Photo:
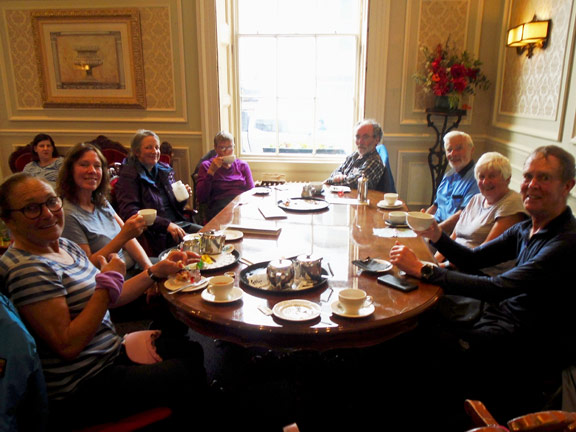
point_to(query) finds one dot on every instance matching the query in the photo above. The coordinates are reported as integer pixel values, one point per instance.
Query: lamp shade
(528, 33)
(515, 36)
(535, 31)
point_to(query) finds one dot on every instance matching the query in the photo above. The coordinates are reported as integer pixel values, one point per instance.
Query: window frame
(304, 157)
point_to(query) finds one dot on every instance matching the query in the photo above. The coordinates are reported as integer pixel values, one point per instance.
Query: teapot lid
(308, 258)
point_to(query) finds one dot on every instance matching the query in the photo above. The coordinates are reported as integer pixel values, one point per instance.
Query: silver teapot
(280, 274)
(210, 242)
(309, 268)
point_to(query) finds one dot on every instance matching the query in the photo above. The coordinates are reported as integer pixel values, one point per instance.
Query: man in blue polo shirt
(458, 185)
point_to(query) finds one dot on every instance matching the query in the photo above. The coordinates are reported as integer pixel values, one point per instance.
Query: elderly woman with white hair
(495, 209)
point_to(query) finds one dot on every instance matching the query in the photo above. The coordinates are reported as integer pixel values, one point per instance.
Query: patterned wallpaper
(531, 87)
(157, 48)
(434, 30)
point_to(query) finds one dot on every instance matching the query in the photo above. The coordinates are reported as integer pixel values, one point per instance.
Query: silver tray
(254, 277)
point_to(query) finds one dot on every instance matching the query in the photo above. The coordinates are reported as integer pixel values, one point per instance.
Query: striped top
(28, 279)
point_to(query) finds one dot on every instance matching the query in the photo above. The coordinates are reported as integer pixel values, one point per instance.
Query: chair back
(19, 158)
(386, 183)
(113, 151)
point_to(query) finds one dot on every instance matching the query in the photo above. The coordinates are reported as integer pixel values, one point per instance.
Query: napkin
(394, 232)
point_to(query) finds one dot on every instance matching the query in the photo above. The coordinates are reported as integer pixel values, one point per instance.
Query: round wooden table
(343, 232)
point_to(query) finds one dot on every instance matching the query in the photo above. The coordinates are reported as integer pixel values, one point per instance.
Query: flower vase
(442, 102)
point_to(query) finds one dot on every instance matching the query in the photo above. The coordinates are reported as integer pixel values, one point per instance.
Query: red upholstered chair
(19, 158)
(132, 423)
(113, 151)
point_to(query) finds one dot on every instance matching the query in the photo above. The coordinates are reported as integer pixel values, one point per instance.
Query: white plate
(336, 189)
(363, 312)
(388, 265)
(382, 204)
(233, 235)
(235, 294)
(260, 190)
(172, 284)
(296, 310)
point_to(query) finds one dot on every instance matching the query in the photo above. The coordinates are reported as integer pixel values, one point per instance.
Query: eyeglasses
(225, 148)
(33, 211)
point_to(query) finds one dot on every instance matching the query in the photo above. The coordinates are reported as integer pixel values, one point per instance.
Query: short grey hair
(568, 169)
(452, 134)
(376, 128)
(494, 160)
(223, 136)
(138, 138)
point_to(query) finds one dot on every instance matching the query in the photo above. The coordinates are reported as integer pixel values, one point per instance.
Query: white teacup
(353, 299)
(390, 198)
(228, 159)
(419, 221)
(221, 287)
(397, 217)
(149, 215)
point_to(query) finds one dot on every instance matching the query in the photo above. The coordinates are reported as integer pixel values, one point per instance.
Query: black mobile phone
(395, 282)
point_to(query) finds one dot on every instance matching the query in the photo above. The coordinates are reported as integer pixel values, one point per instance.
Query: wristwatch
(427, 271)
(152, 275)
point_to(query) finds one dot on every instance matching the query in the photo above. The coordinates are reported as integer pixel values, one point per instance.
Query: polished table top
(340, 234)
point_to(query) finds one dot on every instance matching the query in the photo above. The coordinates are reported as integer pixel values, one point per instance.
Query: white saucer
(394, 225)
(382, 204)
(388, 265)
(172, 284)
(363, 312)
(235, 294)
(233, 235)
(296, 310)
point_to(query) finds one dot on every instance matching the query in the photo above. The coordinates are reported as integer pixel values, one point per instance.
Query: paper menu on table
(256, 229)
(272, 212)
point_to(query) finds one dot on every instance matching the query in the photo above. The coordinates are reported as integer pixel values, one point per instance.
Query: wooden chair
(19, 158)
(113, 151)
(543, 421)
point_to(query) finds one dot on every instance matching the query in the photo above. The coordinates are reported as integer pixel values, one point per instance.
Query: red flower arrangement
(451, 75)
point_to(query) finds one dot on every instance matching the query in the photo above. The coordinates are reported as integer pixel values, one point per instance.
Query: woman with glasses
(222, 177)
(146, 183)
(46, 161)
(91, 222)
(64, 299)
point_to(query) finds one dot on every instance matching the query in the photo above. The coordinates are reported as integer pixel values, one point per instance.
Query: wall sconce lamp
(529, 35)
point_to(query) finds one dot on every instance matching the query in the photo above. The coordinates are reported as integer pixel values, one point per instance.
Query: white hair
(495, 161)
(452, 134)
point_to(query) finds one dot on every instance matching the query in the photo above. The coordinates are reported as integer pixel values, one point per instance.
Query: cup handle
(369, 300)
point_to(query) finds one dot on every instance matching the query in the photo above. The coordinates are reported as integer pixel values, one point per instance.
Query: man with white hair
(458, 185)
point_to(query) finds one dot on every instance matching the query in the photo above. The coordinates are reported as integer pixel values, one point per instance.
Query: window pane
(298, 63)
(296, 67)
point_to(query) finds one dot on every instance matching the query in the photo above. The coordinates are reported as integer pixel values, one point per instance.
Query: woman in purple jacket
(146, 183)
(223, 177)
